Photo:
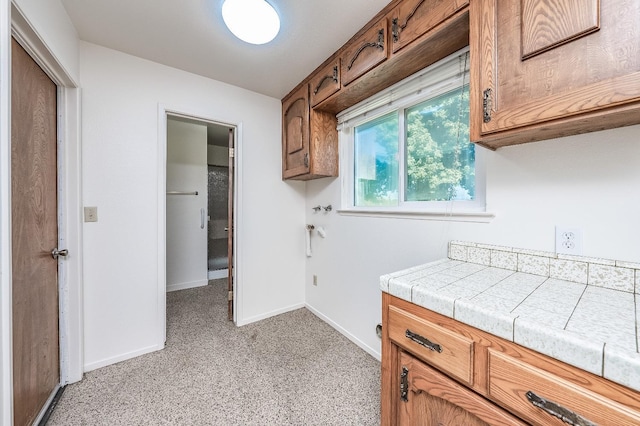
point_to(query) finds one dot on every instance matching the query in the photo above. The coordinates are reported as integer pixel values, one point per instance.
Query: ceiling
(190, 35)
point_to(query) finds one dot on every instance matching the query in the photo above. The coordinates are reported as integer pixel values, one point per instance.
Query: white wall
(121, 97)
(587, 181)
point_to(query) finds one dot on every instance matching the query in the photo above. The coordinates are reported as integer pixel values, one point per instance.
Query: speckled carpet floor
(292, 369)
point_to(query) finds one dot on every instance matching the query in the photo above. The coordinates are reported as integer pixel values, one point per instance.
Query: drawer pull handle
(558, 411)
(333, 77)
(378, 45)
(423, 341)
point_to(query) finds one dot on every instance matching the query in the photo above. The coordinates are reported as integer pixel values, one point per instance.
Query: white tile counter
(578, 310)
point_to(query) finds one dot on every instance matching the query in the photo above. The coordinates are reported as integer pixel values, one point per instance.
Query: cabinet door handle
(306, 160)
(423, 341)
(558, 411)
(333, 77)
(486, 106)
(201, 218)
(398, 28)
(378, 45)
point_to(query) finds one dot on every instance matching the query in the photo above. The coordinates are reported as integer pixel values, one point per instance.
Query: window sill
(449, 216)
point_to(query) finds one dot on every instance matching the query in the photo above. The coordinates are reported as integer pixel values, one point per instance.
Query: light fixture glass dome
(253, 21)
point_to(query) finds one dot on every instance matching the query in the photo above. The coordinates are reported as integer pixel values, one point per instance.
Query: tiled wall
(612, 274)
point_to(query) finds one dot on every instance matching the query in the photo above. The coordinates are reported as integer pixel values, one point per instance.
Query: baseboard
(270, 314)
(217, 274)
(374, 353)
(184, 286)
(122, 357)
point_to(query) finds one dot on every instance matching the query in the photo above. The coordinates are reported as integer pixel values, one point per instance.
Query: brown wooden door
(34, 234)
(434, 399)
(295, 133)
(542, 61)
(230, 223)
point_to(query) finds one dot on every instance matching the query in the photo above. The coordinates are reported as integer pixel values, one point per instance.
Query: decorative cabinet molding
(413, 18)
(309, 139)
(325, 82)
(364, 53)
(543, 69)
(506, 384)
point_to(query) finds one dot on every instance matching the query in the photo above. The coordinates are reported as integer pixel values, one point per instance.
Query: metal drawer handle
(378, 45)
(333, 77)
(423, 341)
(558, 411)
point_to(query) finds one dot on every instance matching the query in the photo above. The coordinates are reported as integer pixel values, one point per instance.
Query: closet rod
(182, 193)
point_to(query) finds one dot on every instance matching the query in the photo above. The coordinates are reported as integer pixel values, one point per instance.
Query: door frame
(69, 204)
(163, 112)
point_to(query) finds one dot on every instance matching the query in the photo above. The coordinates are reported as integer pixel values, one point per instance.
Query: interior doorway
(200, 200)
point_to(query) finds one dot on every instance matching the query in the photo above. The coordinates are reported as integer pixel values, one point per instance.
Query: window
(408, 149)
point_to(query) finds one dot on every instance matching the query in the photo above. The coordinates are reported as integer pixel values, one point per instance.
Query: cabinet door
(364, 53)
(325, 83)
(295, 133)
(544, 398)
(413, 18)
(429, 398)
(550, 62)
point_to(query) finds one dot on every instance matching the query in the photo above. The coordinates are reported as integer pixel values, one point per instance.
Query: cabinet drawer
(364, 53)
(325, 83)
(413, 18)
(444, 349)
(518, 386)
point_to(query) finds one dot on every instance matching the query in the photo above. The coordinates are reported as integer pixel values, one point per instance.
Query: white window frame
(442, 77)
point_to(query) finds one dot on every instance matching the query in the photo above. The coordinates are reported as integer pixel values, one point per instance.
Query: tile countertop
(575, 309)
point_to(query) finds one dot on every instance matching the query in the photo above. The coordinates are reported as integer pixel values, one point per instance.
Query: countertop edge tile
(433, 301)
(498, 324)
(560, 344)
(622, 366)
(400, 289)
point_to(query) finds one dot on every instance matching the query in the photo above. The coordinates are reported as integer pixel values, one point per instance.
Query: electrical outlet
(315, 280)
(568, 240)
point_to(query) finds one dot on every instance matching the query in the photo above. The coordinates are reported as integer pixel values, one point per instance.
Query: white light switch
(90, 214)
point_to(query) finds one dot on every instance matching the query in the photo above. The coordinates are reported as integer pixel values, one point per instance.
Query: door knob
(55, 253)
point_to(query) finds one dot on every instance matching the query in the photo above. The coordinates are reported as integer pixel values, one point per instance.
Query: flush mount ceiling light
(253, 21)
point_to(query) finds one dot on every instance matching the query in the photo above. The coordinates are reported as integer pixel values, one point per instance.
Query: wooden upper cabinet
(549, 68)
(413, 18)
(325, 83)
(365, 52)
(309, 139)
(295, 133)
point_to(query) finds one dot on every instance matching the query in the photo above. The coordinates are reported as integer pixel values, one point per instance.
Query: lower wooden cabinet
(438, 371)
(427, 397)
